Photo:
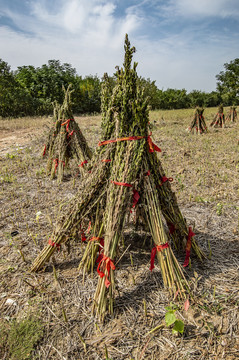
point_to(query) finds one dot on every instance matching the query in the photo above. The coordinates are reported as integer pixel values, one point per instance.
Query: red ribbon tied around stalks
(136, 195)
(152, 146)
(71, 133)
(188, 246)
(83, 163)
(56, 161)
(56, 164)
(95, 238)
(164, 179)
(89, 227)
(154, 251)
(53, 244)
(44, 150)
(129, 138)
(121, 183)
(67, 123)
(100, 256)
(107, 264)
(83, 237)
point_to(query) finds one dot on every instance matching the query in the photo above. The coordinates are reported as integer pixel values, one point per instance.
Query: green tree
(213, 99)
(44, 84)
(197, 98)
(14, 100)
(228, 83)
(86, 97)
(173, 99)
(151, 91)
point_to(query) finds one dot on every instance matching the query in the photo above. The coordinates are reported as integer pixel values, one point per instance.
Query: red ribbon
(89, 227)
(83, 163)
(121, 183)
(188, 246)
(153, 253)
(44, 151)
(164, 179)
(100, 256)
(67, 123)
(136, 196)
(147, 173)
(107, 264)
(83, 237)
(95, 238)
(56, 164)
(106, 160)
(152, 146)
(121, 139)
(56, 161)
(53, 244)
(71, 133)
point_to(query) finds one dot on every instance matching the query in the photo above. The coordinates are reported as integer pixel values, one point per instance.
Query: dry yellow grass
(205, 171)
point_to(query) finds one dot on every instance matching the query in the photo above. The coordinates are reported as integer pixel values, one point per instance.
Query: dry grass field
(47, 315)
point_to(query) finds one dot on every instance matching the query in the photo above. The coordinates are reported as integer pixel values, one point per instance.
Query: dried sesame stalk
(172, 273)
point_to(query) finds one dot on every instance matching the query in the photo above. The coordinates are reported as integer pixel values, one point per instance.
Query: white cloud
(85, 34)
(88, 35)
(204, 8)
(177, 63)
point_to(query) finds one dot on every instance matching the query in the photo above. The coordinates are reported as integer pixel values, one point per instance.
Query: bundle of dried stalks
(65, 140)
(232, 114)
(219, 118)
(125, 171)
(198, 124)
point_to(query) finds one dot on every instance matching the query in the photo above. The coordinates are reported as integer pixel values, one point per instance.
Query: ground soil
(205, 170)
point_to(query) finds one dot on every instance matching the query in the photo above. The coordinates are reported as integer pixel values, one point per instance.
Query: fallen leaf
(186, 305)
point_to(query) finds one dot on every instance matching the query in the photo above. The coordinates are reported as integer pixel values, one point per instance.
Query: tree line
(30, 91)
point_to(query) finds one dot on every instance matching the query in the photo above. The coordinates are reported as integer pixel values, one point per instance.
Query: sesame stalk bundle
(125, 172)
(198, 123)
(232, 114)
(219, 118)
(65, 140)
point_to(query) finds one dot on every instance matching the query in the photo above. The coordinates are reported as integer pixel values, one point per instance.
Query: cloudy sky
(179, 43)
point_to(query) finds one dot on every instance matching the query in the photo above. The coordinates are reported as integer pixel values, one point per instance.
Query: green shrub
(18, 338)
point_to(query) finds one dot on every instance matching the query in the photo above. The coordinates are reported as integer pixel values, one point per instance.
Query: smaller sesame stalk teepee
(65, 140)
(219, 118)
(198, 124)
(232, 114)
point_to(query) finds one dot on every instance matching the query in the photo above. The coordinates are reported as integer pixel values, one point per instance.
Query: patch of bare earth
(205, 171)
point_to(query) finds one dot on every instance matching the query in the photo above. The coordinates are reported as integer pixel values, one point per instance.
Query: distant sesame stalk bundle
(65, 140)
(198, 124)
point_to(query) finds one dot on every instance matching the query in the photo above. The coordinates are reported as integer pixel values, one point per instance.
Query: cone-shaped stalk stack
(65, 140)
(125, 172)
(232, 114)
(219, 118)
(198, 124)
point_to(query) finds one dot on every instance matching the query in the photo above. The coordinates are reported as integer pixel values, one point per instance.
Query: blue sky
(179, 43)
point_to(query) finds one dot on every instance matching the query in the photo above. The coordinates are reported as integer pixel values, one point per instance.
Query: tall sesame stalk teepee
(65, 140)
(125, 172)
(198, 123)
(219, 118)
